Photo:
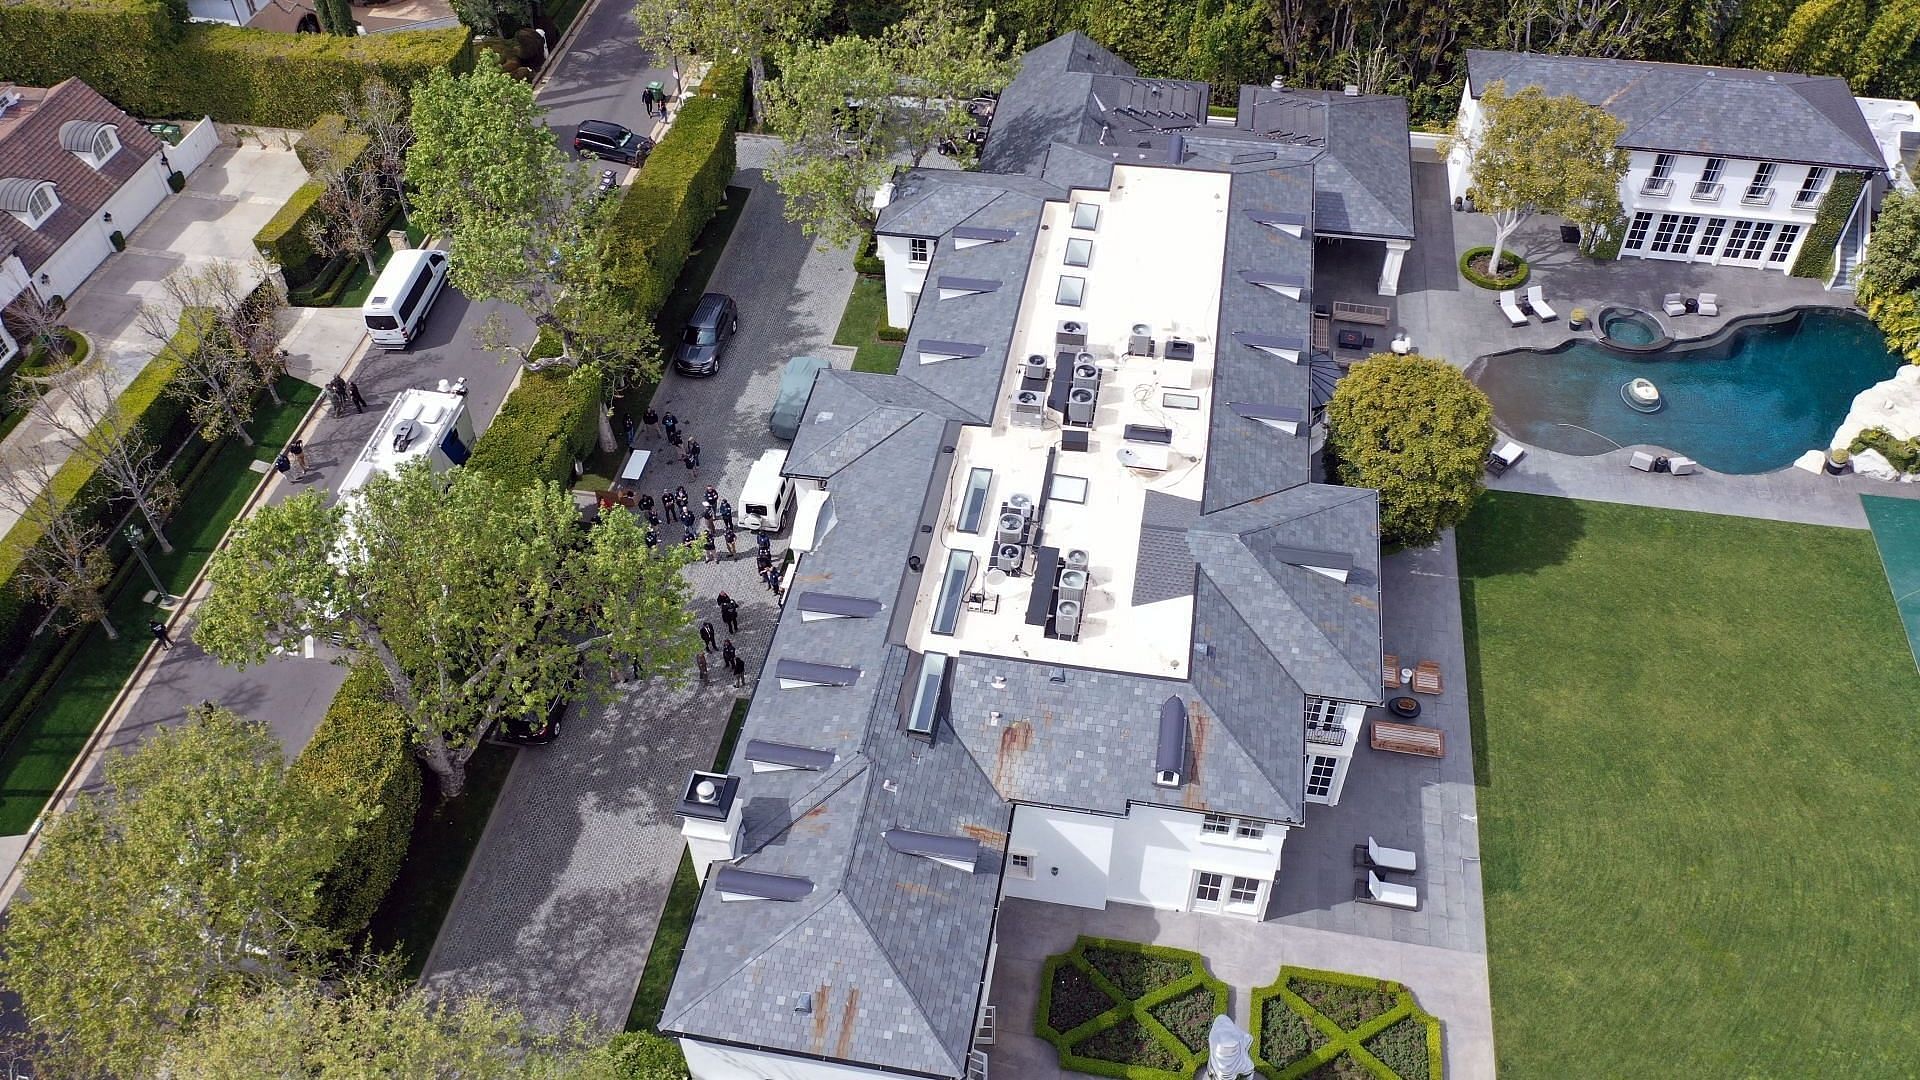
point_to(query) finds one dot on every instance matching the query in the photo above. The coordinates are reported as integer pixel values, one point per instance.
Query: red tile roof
(30, 148)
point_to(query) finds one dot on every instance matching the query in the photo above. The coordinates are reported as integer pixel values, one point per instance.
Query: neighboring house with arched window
(74, 169)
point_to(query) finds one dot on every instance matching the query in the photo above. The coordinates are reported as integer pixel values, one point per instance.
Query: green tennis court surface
(1896, 528)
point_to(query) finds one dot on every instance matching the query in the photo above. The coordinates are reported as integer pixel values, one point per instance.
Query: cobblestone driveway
(559, 906)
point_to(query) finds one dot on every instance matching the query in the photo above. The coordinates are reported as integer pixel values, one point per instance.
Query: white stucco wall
(90, 245)
(1735, 176)
(707, 1061)
(1148, 857)
(905, 279)
(199, 142)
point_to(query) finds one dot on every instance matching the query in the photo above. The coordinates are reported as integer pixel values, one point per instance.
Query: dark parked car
(606, 139)
(706, 335)
(536, 726)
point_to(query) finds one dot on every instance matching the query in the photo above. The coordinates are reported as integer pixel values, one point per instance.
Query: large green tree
(1530, 153)
(755, 29)
(186, 883)
(525, 229)
(476, 598)
(848, 110)
(367, 1028)
(1889, 279)
(1418, 431)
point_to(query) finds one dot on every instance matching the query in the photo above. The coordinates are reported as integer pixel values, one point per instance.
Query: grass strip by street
(694, 275)
(34, 762)
(676, 920)
(445, 834)
(1695, 790)
(860, 325)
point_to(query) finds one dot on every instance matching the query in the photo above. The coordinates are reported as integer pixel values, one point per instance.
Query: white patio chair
(1511, 307)
(1388, 858)
(1682, 466)
(1504, 457)
(1537, 300)
(1674, 304)
(1709, 303)
(1641, 460)
(1391, 895)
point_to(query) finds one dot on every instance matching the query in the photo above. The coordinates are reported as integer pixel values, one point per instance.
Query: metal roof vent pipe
(1176, 149)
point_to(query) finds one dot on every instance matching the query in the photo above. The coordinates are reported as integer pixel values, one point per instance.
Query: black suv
(706, 334)
(606, 139)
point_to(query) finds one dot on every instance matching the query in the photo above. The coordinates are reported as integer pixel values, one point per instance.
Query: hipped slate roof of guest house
(30, 149)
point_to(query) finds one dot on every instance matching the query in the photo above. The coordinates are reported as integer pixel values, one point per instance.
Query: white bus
(402, 296)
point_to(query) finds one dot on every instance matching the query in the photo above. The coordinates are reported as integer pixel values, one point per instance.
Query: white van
(767, 498)
(402, 296)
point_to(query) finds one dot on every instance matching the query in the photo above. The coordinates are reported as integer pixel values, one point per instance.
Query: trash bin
(1569, 234)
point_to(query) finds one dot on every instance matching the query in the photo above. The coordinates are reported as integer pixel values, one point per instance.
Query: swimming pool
(1749, 399)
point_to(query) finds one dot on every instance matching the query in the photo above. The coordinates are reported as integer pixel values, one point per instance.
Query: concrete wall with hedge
(548, 422)
(362, 753)
(138, 54)
(283, 239)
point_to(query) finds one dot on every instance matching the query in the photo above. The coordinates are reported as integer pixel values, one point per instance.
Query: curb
(136, 681)
(564, 45)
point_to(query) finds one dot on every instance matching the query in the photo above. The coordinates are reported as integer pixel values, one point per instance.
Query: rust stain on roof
(820, 1000)
(1015, 739)
(913, 887)
(1199, 728)
(847, 1017)
(992, 838)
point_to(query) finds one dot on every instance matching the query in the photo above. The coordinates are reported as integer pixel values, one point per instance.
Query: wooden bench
(1426, 678)
(1366, 314)
(1409, 739)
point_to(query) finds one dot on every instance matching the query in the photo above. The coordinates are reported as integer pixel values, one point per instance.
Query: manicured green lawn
(38, 756)
(1696, 750)
(866, 312)
(444, 836)
(676, 920)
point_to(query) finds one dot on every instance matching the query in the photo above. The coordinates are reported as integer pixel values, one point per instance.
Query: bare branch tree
(87, 420)
(255, 328)
(382, 114)
(37, 322)
(353, 209)
(68, 569)
(219, 380)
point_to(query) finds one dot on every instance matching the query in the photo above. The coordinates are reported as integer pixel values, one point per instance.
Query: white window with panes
(1663, 234)
(1783, 244)
(1710, 238)
(1637, 232)
(1020, 864)
(1227, 826)
(1760, 188)
(1707, 188)
(919, 249)
(1811, 187)
(1659, 182)
(1229, 894)
(1326, 775)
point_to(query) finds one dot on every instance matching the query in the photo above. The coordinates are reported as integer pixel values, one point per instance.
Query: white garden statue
(1229, 1051)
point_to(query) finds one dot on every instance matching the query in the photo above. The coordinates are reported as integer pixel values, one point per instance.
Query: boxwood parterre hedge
(1126, 1010)
(1307, 1019)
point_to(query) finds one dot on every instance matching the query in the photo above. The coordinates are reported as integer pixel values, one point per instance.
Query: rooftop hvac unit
(1008, 557)
(1179, 350)
(1020, 504)
(1082, 358)
(1013, 529)
(1070, 332)
(995, 579)
(1080, 406)
(1140, 342)
(1073, 586)
(1028, 408)
(1035, 367)
(1077, 559)
(1066, 619)
(1085, 375)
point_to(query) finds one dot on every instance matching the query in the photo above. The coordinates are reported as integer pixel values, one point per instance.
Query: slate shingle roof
(30, 149)
(1681, 108)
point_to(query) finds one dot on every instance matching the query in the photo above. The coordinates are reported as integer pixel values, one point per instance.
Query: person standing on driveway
(730, 613)
(298, 450)
(739, 670)
(627, 428)
(709, 546)
(732, 551)
(728, 654)
(165, 638)
(700, 661)
(726, 512)
(353, 391)
(282, 464)
(706, 636)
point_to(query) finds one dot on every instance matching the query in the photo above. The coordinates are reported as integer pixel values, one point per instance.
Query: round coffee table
(1406, 708)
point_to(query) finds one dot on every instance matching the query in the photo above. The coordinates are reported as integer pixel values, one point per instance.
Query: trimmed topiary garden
(1122, 1009)
(1313, 1025)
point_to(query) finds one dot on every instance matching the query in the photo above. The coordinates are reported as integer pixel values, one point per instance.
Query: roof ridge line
(830, 784)
(920, 1007)
(742, 965)
(1240, 542)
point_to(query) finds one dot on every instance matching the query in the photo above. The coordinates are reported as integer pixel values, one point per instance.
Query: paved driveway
(559, 905)
(224, 204)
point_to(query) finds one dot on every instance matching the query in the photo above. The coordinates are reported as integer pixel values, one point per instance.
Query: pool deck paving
(1450, 319)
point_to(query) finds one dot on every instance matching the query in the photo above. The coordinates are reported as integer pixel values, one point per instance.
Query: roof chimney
(710, 819)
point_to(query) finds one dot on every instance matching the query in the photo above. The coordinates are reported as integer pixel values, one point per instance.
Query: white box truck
(430, 424)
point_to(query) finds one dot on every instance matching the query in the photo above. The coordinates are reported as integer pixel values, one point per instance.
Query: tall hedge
(673, 198)
(330, 139)
(362, 753)
(138, 54)
(1836, 207)
(283, 239)
(546, 424)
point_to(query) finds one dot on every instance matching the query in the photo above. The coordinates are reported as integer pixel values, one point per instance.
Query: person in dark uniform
(707, 636)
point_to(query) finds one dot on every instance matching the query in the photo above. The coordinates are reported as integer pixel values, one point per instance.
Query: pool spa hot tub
(1630, 330)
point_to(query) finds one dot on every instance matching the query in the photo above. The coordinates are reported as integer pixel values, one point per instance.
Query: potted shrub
(1577, 319)
(1838, 459)
(118, 240)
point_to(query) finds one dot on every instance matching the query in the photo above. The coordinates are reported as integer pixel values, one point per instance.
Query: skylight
(1072, 291)
(1079, 252)
(925, 711)
(1086, 216)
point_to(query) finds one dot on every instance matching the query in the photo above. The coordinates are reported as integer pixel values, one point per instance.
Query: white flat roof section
(432, 410)
(1157, 252)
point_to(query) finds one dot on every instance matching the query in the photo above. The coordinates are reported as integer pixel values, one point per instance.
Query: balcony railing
(1326, 734)
(1758, 196)
(1658, 187)
(1707, 191)
(1807, 200)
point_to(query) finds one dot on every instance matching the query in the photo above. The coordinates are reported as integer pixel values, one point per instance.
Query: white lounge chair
(1641, 460)
(1388, 858)
(1505, 457)
(1511, 307)
(1709, 303)
(1682, 466)
(1386, 893)
(1674, 304)
(1537, 300)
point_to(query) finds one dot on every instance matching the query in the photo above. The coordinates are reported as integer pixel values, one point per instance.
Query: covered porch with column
(1384, 254)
